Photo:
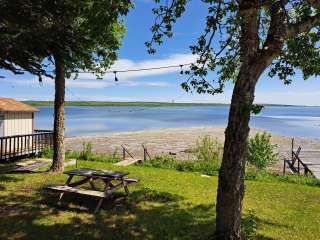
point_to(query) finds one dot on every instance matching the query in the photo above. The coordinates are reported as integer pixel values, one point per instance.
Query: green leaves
(256, 108)
(300, 53)
(217, 48)
(87, 33)
(166, 16)
(261, 153)
(214, 48)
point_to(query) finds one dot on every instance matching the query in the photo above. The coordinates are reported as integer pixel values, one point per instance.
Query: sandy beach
(174, 140)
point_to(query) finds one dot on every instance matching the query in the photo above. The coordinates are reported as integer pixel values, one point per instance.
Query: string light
(132, 70)
(181, 70)
(115, 76)
(145, 69)
(40, 81)
(125, 71)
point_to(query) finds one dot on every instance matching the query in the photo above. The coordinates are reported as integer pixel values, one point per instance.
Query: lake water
(290, 121)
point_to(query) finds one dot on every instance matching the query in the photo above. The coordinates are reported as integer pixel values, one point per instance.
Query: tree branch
(277, 30)
(249, 40)
(304, 26)
(314, 3)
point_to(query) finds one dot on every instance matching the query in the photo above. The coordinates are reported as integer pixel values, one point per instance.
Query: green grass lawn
(166, 204)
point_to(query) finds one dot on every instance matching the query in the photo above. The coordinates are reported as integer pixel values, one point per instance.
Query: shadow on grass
(6, 178)
(146, 214)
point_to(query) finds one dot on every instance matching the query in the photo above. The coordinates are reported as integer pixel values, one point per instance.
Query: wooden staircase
(299, 166)
(127, 158)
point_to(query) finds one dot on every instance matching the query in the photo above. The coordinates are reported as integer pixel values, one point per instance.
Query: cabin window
(1, 125)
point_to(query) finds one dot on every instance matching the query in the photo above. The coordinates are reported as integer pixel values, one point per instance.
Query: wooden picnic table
(113, 180)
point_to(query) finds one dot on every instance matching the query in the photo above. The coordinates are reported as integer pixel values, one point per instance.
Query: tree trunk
(58, 137)
(232, 171)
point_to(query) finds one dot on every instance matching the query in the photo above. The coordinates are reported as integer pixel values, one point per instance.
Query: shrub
(249, 226)
(207, 149)
(163, 161)
(47, 152)
(86, 153)
(208, 154)
(261, 153)
(169, 162)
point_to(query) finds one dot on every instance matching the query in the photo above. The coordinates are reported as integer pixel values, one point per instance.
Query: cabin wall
(1, 124)
(18, 123)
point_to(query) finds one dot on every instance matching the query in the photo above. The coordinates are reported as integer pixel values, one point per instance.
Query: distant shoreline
(137, 104)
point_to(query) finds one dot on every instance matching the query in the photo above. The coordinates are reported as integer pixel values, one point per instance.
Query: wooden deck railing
(42, 131)
(23, 145)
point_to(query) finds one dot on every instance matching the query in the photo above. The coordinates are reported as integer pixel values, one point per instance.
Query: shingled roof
(12, 105)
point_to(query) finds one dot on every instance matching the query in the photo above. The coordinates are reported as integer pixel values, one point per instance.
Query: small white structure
(16, 118)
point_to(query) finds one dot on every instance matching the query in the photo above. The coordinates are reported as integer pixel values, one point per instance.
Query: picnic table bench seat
(64, 188)
(113, 180)
(93, 193)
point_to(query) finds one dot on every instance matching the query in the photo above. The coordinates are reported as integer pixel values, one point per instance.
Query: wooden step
(29, 167)
(127, 162)
(316, 174)
(131, 181)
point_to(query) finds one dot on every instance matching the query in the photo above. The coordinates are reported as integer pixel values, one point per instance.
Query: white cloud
(158, 84)
(94, 84)
(297, 97)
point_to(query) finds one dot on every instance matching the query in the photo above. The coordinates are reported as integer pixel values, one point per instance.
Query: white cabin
(16, 118)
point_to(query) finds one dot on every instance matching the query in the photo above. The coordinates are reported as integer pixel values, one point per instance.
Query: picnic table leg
(99, 205)
(67, 183)
(60, 198)
(105, 190)
(92, 184)
(125, 186)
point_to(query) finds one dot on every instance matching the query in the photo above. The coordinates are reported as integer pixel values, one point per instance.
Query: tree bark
(232, 171)
(231, 175)
(58, 136)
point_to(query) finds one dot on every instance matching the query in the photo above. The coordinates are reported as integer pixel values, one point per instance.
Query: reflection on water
(290, 121)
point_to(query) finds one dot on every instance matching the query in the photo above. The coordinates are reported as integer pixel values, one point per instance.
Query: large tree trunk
(231, 175)
(58, 137)
(232, 171)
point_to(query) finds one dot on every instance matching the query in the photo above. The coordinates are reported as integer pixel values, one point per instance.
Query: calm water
(290, 121)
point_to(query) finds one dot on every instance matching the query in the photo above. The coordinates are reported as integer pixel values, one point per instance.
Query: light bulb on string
(115, 76)
(40, 81)
(181, 70)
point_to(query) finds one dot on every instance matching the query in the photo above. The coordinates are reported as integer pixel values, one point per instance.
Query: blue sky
(157, 85)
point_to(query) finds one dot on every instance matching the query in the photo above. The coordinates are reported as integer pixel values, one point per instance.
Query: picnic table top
(88, 172)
